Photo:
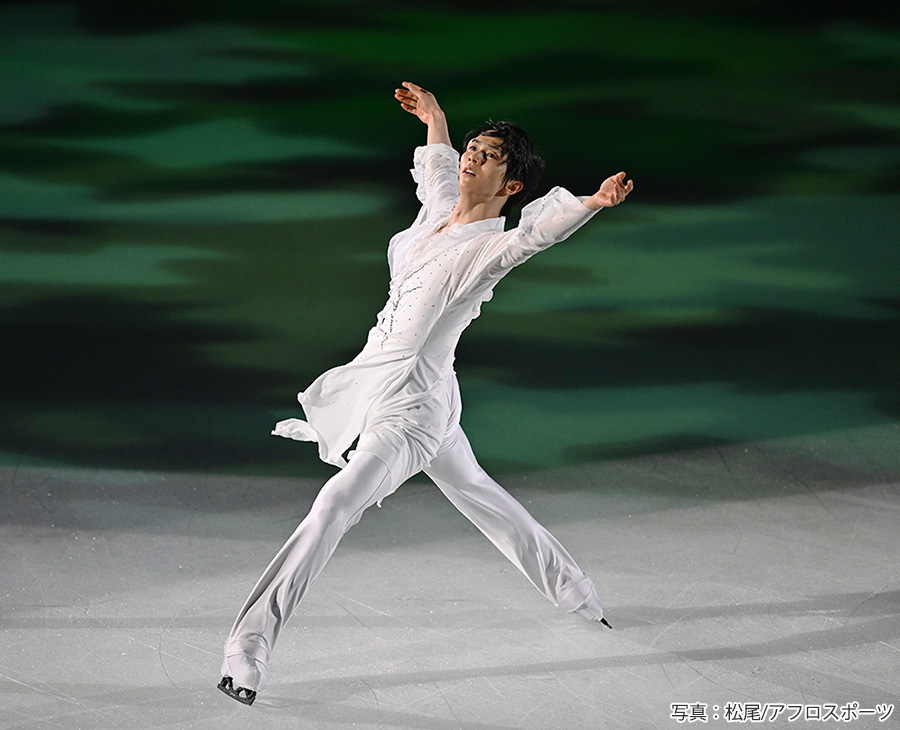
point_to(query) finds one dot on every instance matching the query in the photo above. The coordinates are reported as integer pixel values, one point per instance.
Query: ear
(513, 187)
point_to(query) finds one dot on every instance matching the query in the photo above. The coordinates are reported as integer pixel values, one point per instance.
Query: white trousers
(365, 480)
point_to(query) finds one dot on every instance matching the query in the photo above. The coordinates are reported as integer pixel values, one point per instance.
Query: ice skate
(242, 677)
(241, 694)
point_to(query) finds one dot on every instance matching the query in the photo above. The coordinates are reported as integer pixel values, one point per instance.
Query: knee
(332, 508)
(347, 494)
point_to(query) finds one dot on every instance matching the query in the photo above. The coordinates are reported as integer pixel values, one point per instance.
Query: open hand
(612, 192)
(418, 101)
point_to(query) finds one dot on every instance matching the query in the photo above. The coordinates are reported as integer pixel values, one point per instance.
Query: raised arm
(422, 103)
(612, 192)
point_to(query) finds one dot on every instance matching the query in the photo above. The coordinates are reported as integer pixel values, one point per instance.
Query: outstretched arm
(422, 103)
(612, 192)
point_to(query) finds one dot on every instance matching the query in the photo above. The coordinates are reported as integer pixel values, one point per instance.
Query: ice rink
(698, 393)
(760, 577)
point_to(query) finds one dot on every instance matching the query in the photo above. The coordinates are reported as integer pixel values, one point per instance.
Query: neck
(472, 211)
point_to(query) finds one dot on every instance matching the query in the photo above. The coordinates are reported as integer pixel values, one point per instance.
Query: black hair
(523, 162)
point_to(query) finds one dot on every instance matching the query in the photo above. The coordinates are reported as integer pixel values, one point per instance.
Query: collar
(486, 225)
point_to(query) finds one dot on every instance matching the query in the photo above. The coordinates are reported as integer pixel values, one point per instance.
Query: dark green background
(196, 198)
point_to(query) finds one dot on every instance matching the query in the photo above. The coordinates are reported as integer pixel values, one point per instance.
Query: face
(482, 168)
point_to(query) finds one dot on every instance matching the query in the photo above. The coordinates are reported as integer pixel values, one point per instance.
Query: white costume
(399, 397)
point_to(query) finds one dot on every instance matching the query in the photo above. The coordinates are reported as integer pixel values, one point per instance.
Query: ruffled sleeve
(489, 257)
(436, 172)
(545, 221)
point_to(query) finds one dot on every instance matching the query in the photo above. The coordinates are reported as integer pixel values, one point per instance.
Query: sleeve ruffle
(559, 213)
(436, 172)
(545, 221)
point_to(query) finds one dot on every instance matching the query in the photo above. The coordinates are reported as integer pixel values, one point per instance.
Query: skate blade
(241, 694)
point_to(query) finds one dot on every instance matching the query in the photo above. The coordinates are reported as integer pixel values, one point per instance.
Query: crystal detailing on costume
(440, 277)
(427, 278)
(395, 297)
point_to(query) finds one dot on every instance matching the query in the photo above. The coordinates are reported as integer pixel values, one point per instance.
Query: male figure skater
(399, 398)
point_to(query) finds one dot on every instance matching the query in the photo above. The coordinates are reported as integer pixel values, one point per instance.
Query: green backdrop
(196, 198)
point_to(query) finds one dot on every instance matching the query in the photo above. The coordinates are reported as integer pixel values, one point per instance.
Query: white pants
(365, 480)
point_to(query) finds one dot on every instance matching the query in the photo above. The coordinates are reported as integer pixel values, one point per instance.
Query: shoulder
(435, 172)
(435, 153)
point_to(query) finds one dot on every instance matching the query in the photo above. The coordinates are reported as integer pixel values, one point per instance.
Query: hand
(422, 103)
(612, 192)
(418, 101)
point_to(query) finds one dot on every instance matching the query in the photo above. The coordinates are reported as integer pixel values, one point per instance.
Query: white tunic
(399, 395)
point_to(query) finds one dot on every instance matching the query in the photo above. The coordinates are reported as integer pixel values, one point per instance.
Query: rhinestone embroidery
(406, 286)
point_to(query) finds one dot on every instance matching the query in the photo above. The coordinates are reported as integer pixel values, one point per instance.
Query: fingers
(415, 88)
(410, 91)
(408, 103)
(413, 91)
(622, 188)
(409, 96)
(614, 190)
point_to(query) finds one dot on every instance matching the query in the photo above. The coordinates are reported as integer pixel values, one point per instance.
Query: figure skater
(399, 398)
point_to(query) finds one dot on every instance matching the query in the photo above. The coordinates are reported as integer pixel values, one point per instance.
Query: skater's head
(521, 160)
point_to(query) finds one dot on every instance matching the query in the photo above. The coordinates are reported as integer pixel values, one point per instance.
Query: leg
(338, 506)
(512, 529)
